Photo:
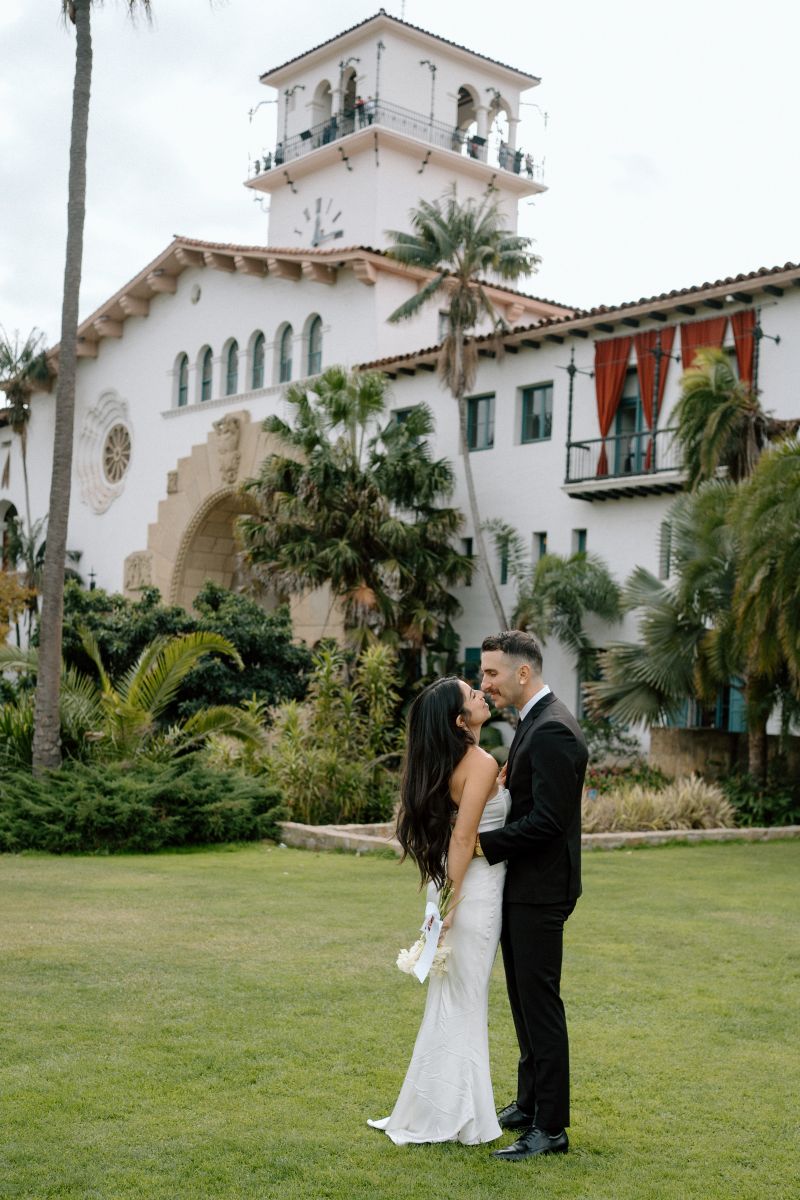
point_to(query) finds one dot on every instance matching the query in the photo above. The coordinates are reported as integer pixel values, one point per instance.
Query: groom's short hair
(516, 643)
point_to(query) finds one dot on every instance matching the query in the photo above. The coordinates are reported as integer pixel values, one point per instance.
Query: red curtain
(645, 345)
(743, 325)
(701, 335)
(610, 366)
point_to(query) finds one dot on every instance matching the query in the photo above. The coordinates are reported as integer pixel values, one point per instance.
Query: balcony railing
(627, 454)
(416, 125)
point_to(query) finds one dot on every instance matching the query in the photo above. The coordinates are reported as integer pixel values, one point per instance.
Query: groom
(542, 846)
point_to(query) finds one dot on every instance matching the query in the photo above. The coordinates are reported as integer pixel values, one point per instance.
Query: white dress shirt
(526, 708)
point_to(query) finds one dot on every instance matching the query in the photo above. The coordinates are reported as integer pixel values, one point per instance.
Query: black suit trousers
(532, 941)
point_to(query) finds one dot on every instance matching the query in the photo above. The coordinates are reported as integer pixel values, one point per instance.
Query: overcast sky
(671, 143)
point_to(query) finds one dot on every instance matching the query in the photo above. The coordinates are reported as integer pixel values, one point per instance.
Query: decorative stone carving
(172, 482)
(229, 431)
(138, 571)
(103, 452)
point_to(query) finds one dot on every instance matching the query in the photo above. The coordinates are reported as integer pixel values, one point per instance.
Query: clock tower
(380, 117)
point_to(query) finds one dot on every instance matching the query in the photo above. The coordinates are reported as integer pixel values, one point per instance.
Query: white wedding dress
(447, 1093)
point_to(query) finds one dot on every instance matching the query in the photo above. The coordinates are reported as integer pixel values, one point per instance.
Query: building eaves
(405, 25)
(161, 273)
(602, 319)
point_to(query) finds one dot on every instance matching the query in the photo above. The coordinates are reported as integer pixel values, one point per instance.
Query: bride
(450, 792)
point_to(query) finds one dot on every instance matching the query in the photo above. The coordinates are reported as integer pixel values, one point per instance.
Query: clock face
(321, 221)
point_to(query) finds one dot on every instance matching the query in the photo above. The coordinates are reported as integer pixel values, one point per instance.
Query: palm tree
(720, 421)
(462, 244)
(122, 719)
(766, 512)
(28, 548)
(730, 612)
(555, 595)
(24, 369)
(46, 747)
(357, 502)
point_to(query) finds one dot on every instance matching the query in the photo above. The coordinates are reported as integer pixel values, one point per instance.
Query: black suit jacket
(542, 838)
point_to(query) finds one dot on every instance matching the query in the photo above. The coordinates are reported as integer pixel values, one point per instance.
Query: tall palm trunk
(46, 740)
(483, 561)
(757, 751)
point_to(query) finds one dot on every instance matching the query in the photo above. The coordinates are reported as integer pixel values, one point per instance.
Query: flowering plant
(426, 954)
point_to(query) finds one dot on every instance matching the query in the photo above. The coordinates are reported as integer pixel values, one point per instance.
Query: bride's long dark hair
(434, 749)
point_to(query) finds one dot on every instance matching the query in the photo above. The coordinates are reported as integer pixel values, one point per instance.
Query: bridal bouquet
(426, 954)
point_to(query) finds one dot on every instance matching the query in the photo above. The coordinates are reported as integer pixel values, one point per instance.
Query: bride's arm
(479, 785)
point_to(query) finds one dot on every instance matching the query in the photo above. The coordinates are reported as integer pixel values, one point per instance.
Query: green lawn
(221, 1024)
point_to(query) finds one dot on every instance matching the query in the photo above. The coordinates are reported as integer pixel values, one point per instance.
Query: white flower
(439, 964)
(407, 959)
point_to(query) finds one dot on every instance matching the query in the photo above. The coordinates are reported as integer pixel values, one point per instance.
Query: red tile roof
(751, 282)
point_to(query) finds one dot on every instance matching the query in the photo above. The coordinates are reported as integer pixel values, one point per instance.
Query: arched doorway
(208, 549)
(7, 514)
(193, 539)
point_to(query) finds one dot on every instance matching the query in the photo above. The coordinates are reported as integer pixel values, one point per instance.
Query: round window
(116, 453)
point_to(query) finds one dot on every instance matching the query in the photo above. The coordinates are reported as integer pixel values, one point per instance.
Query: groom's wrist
(478, 851)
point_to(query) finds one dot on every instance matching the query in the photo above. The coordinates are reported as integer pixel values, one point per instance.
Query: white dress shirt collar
(526, 708)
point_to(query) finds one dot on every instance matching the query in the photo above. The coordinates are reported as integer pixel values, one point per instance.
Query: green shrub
(113, 807)
(612, 776)
(681, 804)
(776, 802)
(335, 757)
(275, 668)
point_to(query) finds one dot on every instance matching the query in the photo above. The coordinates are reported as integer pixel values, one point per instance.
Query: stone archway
(208, 549)
(193, 538)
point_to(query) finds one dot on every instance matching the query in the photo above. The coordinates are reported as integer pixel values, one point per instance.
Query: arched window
(206, 368)
(183, 380)
(232, 369)
(257, 372)
(285, 373)
(315, 346)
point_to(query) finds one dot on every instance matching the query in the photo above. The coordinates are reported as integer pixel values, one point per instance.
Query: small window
(537, 413)
(466, 549)
(472, 664)
(539, 546)
(579, 541)
(444, 324)
(480, 422)
(183, 381)
(400, 415)
(315, 346)
(257, 378)
(206, 369)
(665, 550)
(232, 369)
(631, 431)
(285, 373)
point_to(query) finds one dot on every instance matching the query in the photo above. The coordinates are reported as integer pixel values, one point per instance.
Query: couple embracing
(510, 845)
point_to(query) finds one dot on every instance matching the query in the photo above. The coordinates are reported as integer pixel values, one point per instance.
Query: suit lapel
(524, 727)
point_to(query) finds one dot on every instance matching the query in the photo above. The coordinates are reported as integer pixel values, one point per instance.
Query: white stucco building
(179, 368)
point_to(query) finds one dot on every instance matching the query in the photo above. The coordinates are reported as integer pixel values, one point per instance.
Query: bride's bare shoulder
(477, 765)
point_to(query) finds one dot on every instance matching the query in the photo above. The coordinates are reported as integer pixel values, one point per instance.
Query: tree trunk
(757, 749)
(483, 561)
(46, 739)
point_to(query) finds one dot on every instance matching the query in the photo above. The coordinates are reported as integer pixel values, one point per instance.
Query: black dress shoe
(535, 1141)
(512, 1117)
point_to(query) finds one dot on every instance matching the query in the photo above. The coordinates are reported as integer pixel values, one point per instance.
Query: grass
(220, 1024)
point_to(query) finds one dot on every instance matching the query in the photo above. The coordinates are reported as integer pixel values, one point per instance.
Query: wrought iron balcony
(403, 120)
(635, 464)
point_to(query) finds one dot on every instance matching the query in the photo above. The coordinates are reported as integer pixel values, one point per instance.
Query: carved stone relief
(103, 452)
(138, 571)
(229, 431)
